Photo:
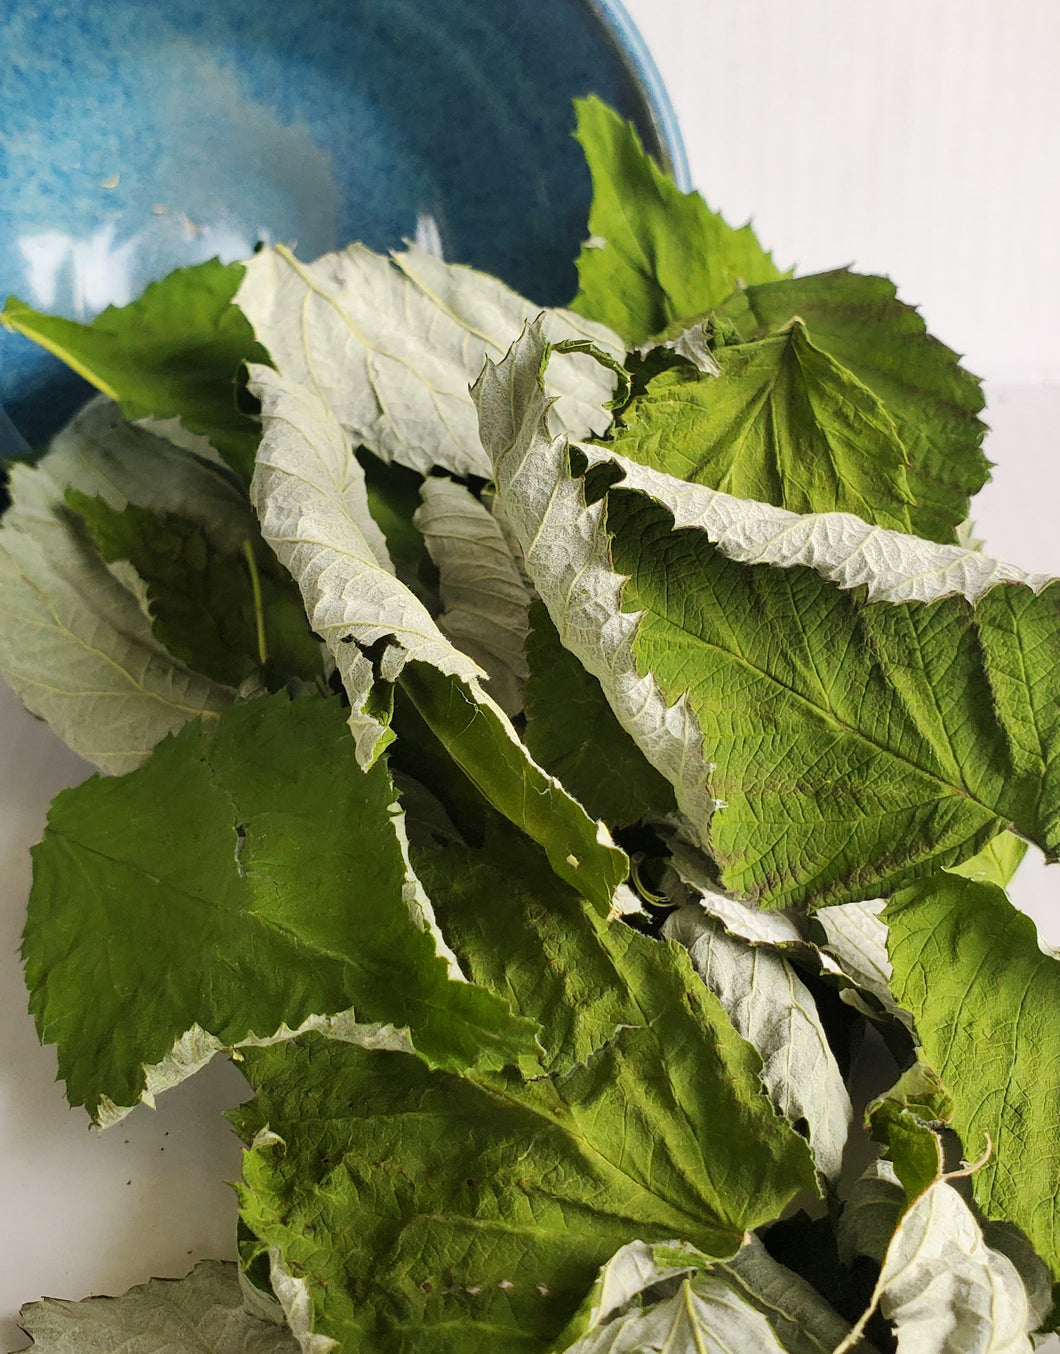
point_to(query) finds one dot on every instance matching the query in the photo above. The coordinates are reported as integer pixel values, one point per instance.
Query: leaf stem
(259, 611)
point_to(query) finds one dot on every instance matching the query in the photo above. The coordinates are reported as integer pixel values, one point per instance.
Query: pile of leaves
(583, 805)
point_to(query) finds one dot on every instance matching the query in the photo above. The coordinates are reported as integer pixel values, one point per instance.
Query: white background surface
(914, 137)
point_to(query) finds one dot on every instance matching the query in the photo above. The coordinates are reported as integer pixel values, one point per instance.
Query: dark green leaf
(933, 402)
(497, 764)
(782, 423)
(574, 734)
(174, 353)
(435, 1212)
(224, 613)
(854, 744)
(239, 881)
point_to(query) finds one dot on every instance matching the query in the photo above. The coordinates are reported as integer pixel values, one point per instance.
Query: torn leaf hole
(241, 836)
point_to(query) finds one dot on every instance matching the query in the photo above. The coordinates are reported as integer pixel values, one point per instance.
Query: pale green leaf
(693, 342)
(621, 1281)
(309, 491)
(856, 939)
(392, 343)
(75, 641)
(645, 1293)
(173, 353)
(804, 1322)
(773, 1010)
(655, 254)
(943, 1289)
(822, 748)
(782, 422)
(201, 1314)
(871, 1213)
(241, 885)
(882, 342)
(756, 925)
(983, 995)
(704, 1316)
(906, 1120)
(435, 1212)
(482, 589)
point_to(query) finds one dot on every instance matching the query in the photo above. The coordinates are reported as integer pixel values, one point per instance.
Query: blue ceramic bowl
(140, 135)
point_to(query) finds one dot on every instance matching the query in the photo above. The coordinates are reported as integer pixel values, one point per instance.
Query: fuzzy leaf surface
(655, 254)
(782, 422)
(982, 994)
(200, 1314)
(851, 740)
(804, 1322)
(482, 589)
(436, 1212)
(704, 1316)
(75, 643)
(856, 939)
(393, 500)
(944, 1290)
(934, 403)
(774, 1011)
(392, 343)
(261, 874)
(310, 494)
(173, 353)
(643, 1295)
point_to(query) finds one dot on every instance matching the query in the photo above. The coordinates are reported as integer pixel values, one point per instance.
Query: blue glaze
(138, 136)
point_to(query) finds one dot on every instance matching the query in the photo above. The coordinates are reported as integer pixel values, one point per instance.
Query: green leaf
(996, 863)
(392, 343)
(968, 966)
(75, 643)
(309, 492)
(933, 402)
(203, 1312)
(174, 353)
(838, 707)
(853, 745)
(922, 1092)
(572, 732)
(238, 884)
(904, 1119)
(783, 423)
(496, 762)
(225, 613)
(436, 1212)
(655, 254)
